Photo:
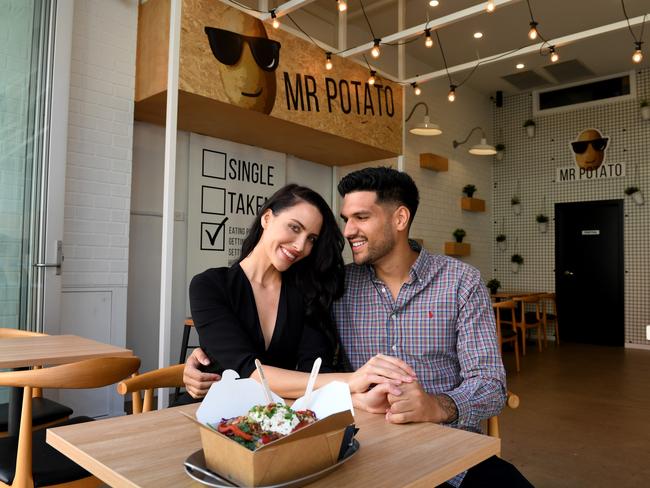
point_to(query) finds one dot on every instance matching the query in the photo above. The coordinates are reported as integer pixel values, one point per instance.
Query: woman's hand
(375, 400)
(197, 383)
(380, 369)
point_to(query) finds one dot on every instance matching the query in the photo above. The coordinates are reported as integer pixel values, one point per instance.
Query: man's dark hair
(390, 185)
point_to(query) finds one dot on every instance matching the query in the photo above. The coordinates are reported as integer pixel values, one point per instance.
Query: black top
(225, 316)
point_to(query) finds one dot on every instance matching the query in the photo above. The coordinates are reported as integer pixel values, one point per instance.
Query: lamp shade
(483, 149)
(426, 128)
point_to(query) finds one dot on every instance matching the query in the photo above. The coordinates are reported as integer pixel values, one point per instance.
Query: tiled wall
(15, 47)
(528, 169)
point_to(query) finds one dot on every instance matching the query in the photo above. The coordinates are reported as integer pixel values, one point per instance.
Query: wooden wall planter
(472, 204)
(457, 248)
(433, 162)
(330, 117)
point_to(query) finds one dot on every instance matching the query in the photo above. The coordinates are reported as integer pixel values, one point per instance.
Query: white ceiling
(504, 30)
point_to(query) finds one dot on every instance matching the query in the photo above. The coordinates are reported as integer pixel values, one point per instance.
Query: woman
(273, 304)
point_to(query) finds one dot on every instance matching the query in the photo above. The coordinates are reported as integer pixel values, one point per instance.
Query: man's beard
(379, 249)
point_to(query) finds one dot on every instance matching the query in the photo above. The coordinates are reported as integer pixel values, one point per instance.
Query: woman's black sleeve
(315, 343)
(220, 334)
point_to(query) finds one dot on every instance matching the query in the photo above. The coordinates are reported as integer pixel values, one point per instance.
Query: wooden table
(22, 352)
(507, 295)
(149, 449)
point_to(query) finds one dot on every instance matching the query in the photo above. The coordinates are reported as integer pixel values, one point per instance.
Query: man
(431, 311)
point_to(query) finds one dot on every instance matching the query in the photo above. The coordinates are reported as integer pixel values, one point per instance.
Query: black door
(589, 271)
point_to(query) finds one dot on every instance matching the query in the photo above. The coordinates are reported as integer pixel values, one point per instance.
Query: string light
(375, 51)
(328, 61)
(428, 42)
(554, 55)
(372, 79)
(532, 33)
(489, 6)
(433, 3)
(637, 57)
(451, 96)
(416, 89)
(276, 22)
(342, 5)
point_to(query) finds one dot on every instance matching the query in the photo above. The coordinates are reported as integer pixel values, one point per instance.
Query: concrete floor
(583, 419)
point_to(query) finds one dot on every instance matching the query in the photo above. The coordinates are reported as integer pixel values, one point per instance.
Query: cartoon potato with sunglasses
(247, 60)
(589, 149)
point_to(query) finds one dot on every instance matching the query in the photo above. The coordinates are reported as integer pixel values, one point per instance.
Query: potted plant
(469, 190)
(529, 125)
(542, 223)
(493, 285)
(635, 193)
(516, 261)
(459, 234)
(645, 110)
(516, 206)
(501, 242)
(500, 148)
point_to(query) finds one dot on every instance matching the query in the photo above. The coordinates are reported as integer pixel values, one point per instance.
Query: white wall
(98, 175)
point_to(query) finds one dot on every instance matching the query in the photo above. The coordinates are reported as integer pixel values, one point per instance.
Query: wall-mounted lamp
(482, 149)
(425, 128)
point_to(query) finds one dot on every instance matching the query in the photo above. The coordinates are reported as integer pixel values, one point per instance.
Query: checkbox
(213, 200)
(213, 235)
(214, 164)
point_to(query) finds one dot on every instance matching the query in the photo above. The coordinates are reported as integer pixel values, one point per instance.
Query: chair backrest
(169, 377)
(505, 305)
(550, 299)
(533, 300)
(90, 373)
(493, 422)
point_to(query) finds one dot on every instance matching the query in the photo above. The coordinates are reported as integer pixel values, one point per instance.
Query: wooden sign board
(244, 81)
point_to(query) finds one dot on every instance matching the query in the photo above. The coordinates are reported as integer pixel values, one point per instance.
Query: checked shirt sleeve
(482, 391)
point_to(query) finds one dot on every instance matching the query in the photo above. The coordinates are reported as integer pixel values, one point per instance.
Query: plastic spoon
(265, 384)
(312, 380)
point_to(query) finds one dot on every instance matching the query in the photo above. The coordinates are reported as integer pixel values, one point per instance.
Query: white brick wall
(100, 137)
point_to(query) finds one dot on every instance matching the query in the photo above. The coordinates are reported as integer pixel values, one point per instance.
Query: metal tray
(196, 469)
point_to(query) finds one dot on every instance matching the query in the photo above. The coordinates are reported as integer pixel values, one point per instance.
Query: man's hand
(381, 369)
(375, 400)
(416, 405)
(197, 383)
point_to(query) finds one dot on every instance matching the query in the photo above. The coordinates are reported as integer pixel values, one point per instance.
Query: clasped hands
(385, 385)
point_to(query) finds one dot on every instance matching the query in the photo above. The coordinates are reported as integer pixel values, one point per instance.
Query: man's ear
(402, 216)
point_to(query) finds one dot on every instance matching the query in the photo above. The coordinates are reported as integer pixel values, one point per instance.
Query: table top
(149, 449)
(513, 294)
(21, 352)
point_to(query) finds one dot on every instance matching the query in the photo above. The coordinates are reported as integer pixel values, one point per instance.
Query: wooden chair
(507, 334)
(44, 412)
(549, 303)
(187, 328)
(493, 422)
(530, 320)
(169, 377)
(27, 460)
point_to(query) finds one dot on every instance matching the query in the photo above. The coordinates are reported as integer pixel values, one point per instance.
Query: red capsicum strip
(224, 429)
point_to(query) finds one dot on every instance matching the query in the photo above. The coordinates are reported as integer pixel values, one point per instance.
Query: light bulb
(490, 6)
(433, 3)
(342, 5)
(375, 52)
(532, 33)
(451, 96)
(276, 22)
(328, 61)
(372, 79)
(554, 55)
(637, 57)
(416, 89)
(428, 42)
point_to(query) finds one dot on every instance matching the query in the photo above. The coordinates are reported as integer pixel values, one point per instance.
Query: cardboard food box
(301, 453)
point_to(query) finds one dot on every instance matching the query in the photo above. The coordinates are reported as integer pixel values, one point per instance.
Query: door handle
(568, 273)
(59, 259)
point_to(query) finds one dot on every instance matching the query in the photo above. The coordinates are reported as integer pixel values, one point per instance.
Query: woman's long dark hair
(319, 276)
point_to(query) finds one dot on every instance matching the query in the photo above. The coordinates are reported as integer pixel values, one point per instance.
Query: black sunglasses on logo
(228, 46)
(580, 147)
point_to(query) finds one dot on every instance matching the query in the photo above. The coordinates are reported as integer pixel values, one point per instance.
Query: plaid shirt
(441, 324)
